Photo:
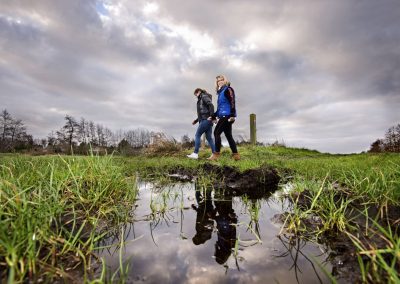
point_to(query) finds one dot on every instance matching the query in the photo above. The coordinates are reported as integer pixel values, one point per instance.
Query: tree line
(390, 143)
(75, 136)
(83, 136)
(13, 135)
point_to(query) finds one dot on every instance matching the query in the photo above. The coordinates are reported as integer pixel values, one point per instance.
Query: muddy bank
(344, 254)
(230, 180)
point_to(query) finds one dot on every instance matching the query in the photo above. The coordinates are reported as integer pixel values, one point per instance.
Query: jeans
(224, 126)
(205, 126)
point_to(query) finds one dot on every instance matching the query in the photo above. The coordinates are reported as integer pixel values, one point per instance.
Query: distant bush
(391, 142)
(277, 143)
(166, 147)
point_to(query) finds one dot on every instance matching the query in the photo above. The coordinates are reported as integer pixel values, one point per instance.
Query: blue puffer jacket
(226, 102)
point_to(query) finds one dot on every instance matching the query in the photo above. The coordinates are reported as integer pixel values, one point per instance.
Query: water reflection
(223, 215)
(294, 248)
(226, 220)
(189, 233)
(204, 217)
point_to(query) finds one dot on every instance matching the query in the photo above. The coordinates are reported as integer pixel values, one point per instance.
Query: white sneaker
(193, 156)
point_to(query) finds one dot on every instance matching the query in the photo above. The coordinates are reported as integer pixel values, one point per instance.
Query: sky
(322, 75)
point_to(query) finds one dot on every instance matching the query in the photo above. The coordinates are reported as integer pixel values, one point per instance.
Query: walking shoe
(214, 156)
(193, 156)
(236, 156)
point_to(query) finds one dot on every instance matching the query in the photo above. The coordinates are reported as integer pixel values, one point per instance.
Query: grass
(336, 186)
(53, 211)
(374, 174)
(51, 206)
(383, 261)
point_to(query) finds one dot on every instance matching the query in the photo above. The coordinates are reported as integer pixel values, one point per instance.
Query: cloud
(297, 65)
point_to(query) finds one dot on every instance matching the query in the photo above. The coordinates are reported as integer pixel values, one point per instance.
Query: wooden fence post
(253, 129)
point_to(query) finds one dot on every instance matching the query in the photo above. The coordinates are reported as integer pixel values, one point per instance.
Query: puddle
(184, 235)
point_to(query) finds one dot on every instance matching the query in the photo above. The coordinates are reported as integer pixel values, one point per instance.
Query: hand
(194, 122)
(231, 119)
(209, 118)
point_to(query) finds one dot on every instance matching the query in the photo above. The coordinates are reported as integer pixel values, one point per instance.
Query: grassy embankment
(47, 203)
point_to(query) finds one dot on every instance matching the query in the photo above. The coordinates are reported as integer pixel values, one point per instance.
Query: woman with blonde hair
(226, 114)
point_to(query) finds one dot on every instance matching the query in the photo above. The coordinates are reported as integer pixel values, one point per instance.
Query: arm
(215, 114)
(209, 104)
(230, 95)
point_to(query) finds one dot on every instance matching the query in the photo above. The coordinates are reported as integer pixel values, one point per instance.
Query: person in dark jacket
(205, 214)
(205, 113)
(226, 220)
(226, 114)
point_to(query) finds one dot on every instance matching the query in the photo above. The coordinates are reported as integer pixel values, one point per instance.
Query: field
(55, 209)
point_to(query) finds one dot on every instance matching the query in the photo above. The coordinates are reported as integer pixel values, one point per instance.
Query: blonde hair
(224, 79)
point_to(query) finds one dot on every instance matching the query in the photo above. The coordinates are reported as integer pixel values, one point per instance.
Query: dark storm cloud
(324, 75)
(71, 59)
(354, 41)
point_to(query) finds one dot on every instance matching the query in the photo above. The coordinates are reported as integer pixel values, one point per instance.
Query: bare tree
(43, 143)
(99, 134)
(397, 138)
(108, 137)
(82, 131)
(390, 140)
(144, 137)
(5, 124)
(69, 131)
(17, 130)
(51, 139)
(92, 133)
(138, 138)
(13, 134)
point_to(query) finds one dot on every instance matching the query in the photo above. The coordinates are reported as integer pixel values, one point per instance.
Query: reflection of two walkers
(225, 217)
(224, 117)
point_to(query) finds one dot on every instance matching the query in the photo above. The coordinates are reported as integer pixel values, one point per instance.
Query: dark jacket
(226, 102)
(205, 107)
